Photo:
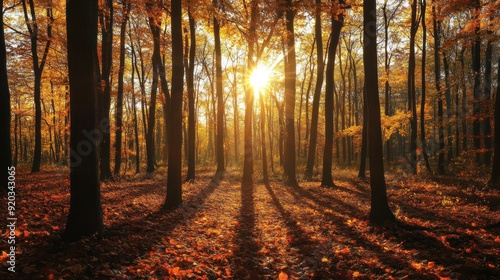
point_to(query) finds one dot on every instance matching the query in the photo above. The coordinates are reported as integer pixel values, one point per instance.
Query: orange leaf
(283, 276)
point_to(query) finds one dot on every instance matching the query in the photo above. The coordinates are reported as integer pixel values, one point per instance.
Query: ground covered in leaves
(265, 231)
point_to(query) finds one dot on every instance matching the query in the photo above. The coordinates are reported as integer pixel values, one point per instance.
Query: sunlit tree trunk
(290, 78)
(174, 176)
(337, 23)
(190, 88)
(85, 212)
(38, 66)
(379, 212)
(364, 138)
(220, 97)
(119, 97)
(248, 145)
(313, 137)
(5, 137)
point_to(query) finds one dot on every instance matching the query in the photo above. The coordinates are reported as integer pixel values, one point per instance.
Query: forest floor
(264, 231)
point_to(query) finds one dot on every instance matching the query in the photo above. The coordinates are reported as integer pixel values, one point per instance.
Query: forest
(250, 139)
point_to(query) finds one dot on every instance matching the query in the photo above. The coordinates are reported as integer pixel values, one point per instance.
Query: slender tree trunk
(476, 66)
(464, 100)
(449, 137)
(265, 175)
(364, 138)
(495, 171)
(411, 89)
(136, 124)
(190, 86)
(437, 72)
(317, 92)
(104, 102)
(119, 98)
(249, 96)
(423, 6)
(337, 23)
(38, 66)
(387, 109)
(174, 176)
(220, 97)
(290, 77)
(486, 122)
(379, 212)
(5, 137)
(85, 212)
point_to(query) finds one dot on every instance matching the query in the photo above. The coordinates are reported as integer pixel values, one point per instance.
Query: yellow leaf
(355, 274)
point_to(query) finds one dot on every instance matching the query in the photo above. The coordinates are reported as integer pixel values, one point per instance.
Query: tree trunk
(364, 138)
(5, 137)
(313, 138)
(104, 102)
(495, 171)
(486, 122)
(119, 98)
(220, 96)
(411, 89)
(380, 212)
(449, 137)
(85, 212)
(337, 23)
(290, 77)
(248, 145)
(476, 67)
(38, 66)
(423, 6)
(174, 176)
(190, 88)
(437, 72)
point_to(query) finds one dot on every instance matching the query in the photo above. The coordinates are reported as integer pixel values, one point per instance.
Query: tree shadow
(130, 240)
(246, 257)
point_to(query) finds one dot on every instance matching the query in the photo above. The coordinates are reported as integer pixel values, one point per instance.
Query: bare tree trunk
(119, 98)
(317, 92)
(174, 177)
(437, 72)
(104, 101)
(85, 212)
(337, 23)
(495, 170)
(380, 212)
(423, 6)
(190, 86)
(220, 97)
(476, 65)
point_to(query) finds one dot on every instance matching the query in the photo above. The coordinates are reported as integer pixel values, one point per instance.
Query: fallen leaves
(278, 232)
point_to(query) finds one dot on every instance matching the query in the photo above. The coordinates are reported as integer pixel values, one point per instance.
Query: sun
(259, 78)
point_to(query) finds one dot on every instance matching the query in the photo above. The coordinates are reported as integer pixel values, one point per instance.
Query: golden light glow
(259, 78)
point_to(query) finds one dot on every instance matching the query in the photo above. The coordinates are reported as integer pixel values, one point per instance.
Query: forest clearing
(268, 231)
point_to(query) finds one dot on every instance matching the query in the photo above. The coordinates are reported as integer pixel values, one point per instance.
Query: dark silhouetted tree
(85, 213)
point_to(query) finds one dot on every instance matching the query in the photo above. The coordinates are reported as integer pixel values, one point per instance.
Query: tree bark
(220, 96)
(437, 72)
(476, 67)
(85, 213)
(380, 212)
(495, 170)
(423, 6)
(313, 137)
(174, 176)
(411, 89)
(119, 98)
(190, 87)
(290, 78)
(104, 102)
(337, 23)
